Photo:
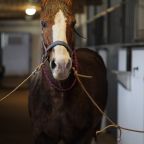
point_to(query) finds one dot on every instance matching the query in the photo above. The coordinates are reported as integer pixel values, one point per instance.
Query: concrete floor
(15, 125)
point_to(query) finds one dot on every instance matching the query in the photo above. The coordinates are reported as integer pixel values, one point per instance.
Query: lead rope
(113, 124)
(77, 75)
(24, 81)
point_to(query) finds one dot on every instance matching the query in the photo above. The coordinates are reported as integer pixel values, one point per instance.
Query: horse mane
(51, 7)
(68, 2)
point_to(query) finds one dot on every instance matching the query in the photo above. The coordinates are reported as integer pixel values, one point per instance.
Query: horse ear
(69, 2)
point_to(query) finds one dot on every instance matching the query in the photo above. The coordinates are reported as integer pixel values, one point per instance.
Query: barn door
(16, 53)
(131, 101)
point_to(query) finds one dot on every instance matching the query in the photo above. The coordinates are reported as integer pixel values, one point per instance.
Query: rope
(84, 76)
(15, 89)
(113, 124)
(89, 96)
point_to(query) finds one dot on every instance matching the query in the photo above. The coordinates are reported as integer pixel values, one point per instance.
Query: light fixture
(31, 10)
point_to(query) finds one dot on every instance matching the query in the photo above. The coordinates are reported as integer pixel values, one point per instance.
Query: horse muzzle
(61, 69)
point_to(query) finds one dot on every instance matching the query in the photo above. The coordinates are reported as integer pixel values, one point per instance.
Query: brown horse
(59, 108)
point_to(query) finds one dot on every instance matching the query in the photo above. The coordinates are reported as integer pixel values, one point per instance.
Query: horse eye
(44, 24)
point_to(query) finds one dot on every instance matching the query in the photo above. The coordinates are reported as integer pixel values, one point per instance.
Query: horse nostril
(69, 64)
(53, 64)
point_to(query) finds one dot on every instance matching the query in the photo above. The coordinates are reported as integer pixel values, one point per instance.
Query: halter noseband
(54, 44)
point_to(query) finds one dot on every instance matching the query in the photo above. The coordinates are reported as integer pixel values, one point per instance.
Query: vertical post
(91, 25)
(108, 23)
(123, 20)
(0, 52)
(129, 58)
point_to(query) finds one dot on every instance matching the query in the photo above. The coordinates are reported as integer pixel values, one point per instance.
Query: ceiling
(15, 9)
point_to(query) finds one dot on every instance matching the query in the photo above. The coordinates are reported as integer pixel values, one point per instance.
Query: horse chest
(52, 103)
(57, 102)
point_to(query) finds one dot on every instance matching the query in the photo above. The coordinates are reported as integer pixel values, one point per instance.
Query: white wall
(16, 53)
(131, 102)
(32, 27)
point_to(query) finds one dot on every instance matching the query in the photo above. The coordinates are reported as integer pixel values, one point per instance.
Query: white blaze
(59, 27)
(59, 34)
(60, 54)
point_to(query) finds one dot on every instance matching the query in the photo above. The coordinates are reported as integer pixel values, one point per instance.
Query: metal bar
(123, 21)
(103, 13)
(129, 59)
(108, 23)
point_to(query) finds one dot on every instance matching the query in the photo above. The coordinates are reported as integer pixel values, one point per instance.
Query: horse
(59, 109)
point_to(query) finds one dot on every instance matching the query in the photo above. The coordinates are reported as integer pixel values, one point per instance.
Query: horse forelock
(51, 7)
(68, 2)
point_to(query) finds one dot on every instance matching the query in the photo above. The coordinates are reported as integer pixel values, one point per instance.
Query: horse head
(57, 22)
